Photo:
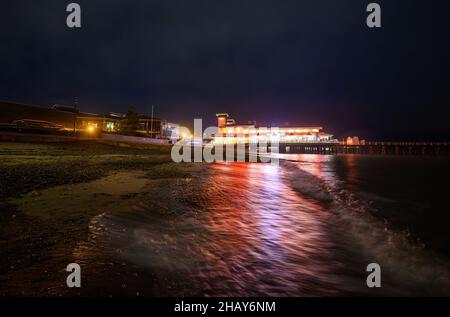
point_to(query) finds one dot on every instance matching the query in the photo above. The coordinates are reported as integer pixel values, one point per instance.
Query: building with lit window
(14, 116)
(247, 133)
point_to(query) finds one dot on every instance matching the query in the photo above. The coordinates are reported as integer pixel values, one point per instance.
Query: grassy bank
(49, 193)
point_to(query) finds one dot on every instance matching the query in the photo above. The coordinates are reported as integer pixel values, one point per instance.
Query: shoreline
(35, 238)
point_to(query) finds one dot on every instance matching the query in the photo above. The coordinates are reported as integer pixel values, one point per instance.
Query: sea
(309, 226)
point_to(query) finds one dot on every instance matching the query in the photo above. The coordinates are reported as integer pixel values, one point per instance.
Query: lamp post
(151, 124)
(75, 115)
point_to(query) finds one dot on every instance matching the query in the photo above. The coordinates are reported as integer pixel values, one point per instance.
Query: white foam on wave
(413, 269)
(306, 183)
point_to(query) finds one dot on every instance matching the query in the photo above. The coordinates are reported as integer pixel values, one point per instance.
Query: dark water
(411, 193)
(307, 227)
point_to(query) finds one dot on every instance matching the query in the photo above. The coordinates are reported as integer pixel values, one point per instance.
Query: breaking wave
(411, 268)
(306, 183)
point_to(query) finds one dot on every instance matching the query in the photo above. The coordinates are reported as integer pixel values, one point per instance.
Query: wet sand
(48, 195)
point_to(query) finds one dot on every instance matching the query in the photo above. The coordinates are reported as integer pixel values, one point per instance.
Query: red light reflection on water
(266, 239)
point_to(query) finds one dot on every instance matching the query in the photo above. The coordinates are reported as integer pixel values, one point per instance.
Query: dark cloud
(314, 62)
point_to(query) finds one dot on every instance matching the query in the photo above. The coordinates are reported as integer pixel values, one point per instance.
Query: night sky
(306, 62)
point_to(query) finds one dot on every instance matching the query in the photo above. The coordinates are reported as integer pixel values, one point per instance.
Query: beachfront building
(353, 140)
(70, 119)
(246, 133)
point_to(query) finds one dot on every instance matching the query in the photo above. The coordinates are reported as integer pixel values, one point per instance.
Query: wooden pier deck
(382, 148)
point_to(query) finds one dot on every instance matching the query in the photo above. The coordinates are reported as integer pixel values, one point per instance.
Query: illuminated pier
(314, 140)
(248, 133)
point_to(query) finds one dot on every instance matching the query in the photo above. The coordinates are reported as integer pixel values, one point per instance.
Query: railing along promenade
(382, 148)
